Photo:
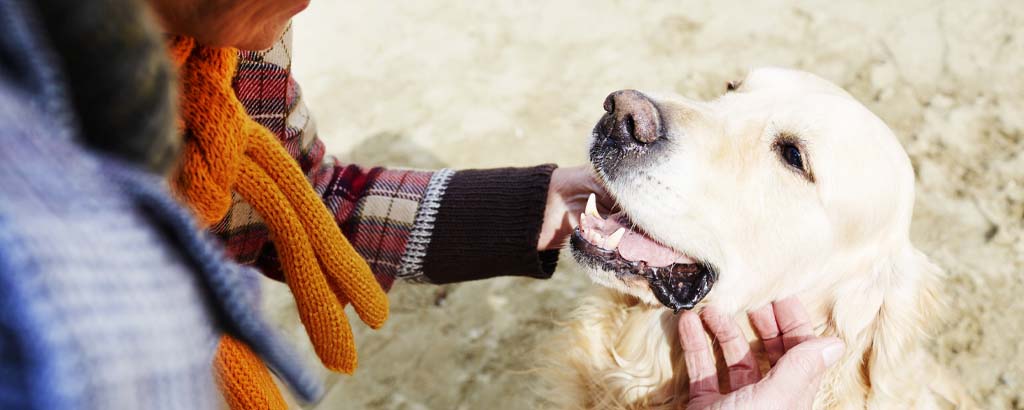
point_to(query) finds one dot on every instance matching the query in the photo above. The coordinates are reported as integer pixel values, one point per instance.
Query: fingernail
(833, 352)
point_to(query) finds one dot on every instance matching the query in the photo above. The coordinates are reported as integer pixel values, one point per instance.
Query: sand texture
(488, 83)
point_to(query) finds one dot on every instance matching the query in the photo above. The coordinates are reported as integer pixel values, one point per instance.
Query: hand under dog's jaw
(617, 246)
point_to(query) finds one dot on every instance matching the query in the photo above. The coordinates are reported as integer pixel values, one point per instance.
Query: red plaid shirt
(386, 214)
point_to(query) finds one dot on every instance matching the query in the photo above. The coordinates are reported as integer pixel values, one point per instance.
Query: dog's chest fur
(618, 353)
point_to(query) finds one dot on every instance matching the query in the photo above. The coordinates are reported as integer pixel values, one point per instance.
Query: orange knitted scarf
(225, 151)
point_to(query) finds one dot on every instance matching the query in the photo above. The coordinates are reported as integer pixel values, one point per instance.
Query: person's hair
(119, 77)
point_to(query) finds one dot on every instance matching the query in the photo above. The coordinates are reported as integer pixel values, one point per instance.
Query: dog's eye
(790, 151)
(792, 155)
(733, 85)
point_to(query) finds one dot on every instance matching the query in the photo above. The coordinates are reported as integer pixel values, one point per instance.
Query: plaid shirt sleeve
(422, 226)
(386, 214)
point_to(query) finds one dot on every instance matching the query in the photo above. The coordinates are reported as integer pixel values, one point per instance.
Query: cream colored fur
(722, 195)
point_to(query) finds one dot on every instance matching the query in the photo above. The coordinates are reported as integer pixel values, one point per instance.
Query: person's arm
(443, 226)
(429, 226)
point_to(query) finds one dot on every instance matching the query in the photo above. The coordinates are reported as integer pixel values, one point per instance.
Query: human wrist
(568, 193)
(556, 224)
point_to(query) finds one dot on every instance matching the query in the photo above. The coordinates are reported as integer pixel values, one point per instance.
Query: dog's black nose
(631, 117)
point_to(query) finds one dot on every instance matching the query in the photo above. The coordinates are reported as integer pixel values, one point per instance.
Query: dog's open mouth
(617, 245)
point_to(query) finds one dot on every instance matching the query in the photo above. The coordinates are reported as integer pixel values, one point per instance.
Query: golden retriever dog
(783, 185)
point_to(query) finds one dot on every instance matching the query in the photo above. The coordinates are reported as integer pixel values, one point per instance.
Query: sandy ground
(474, 84)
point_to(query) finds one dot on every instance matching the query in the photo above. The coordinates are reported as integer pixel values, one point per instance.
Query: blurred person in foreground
(117, 303)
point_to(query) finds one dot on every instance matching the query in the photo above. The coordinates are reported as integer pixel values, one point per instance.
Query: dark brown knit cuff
(488, 225)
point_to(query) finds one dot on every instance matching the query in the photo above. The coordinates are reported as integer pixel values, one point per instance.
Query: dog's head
(784, 184)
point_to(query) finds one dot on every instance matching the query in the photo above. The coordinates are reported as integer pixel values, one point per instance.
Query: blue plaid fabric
(99, 311)
(233, 286)
(109, 299)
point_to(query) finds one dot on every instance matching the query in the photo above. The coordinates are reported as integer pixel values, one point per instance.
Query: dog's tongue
(635, 246)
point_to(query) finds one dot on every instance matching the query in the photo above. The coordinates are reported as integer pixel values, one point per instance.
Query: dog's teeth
(583, 223)
(592, 206)
(598, 240)
(613, 241)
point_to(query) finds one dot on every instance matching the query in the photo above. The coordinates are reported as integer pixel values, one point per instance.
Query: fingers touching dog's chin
(677, 286)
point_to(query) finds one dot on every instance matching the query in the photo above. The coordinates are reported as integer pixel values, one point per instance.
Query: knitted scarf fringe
(226, 151)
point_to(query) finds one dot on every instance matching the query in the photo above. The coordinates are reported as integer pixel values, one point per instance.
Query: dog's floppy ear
(906, 281)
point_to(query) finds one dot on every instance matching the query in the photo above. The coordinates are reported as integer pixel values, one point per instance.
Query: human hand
(798, 359)
(567, 199)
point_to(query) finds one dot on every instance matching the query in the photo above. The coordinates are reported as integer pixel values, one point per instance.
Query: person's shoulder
(19, 110)
(30, 120)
